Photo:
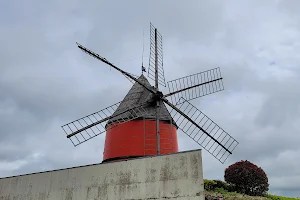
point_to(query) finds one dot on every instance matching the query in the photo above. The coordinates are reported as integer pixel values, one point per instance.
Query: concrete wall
(173, 176)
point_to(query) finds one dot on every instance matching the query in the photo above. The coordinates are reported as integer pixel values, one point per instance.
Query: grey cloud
(46, 81)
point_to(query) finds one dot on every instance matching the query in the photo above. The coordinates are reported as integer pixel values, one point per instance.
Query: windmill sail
(156, 56)
(90, 126)
(204, 131)
(132, 81)
(126, 74)
(136, 104)
(195, 86)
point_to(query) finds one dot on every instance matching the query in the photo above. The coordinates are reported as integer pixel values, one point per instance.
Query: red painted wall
(138, 138)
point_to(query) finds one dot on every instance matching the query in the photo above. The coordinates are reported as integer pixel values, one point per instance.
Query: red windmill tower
(146, 122)
(137, 137)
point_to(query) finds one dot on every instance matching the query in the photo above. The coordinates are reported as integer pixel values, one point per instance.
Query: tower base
(173, 176)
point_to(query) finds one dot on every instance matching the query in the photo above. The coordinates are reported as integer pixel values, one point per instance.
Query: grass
(234, 195)
(209, 186)
(275, 197)
(237, 196)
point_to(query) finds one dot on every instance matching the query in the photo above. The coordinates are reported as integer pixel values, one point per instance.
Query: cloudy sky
(46, 81)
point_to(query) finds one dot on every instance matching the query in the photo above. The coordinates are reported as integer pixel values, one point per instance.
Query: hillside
(214, 191)
(213, 195)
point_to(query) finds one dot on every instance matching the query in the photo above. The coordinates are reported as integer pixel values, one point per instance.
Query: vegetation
(244, 180)
(215, 195)
(212, 185)
(247, 178)
(213, 191)
(274, 197)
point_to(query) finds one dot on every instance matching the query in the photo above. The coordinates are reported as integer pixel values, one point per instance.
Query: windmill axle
(158, 96)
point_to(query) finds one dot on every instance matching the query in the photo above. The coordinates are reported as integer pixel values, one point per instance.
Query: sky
(46, 81)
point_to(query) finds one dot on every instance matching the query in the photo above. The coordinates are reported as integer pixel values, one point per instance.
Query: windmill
(153, 116)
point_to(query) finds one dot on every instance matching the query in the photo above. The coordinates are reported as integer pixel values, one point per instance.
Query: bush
(209, 185)
(221, 184)
(247, 178)
(212, 185)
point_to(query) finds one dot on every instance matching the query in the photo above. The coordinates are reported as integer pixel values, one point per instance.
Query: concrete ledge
(172, 176)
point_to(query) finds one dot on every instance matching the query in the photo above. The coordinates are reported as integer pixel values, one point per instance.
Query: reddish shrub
(247, 178)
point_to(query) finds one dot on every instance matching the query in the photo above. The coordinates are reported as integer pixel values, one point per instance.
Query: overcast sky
(46, 81)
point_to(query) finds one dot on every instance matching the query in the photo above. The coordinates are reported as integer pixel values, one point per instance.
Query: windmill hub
(158, 96)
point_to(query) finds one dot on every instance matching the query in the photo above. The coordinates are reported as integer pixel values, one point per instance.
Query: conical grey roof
(138, 95)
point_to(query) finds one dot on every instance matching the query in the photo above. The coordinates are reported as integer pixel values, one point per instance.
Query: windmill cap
(139, 95)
